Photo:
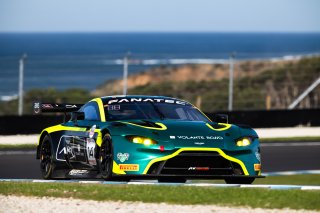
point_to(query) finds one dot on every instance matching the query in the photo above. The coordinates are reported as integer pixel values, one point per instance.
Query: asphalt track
(275, 157)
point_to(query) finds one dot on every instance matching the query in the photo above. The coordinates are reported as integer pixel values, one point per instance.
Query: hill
(184, 73)
(257, 85)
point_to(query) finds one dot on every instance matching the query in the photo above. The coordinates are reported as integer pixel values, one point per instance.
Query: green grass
(310, 179)
(18, 146)
(262, 198)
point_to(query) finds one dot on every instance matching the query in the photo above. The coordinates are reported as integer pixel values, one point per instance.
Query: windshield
(150, 110)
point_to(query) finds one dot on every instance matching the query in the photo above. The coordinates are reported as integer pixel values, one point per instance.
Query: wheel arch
(42, 135)
(99, 141)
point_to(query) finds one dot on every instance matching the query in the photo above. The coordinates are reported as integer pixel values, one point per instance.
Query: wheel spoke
(45, 159)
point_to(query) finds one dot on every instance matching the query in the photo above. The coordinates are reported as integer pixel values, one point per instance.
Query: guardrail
(274, 118)
(32, 124)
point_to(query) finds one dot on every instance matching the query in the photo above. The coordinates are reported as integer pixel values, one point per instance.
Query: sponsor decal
(122, 157)
(71, 106)
(214, 137)
(91, 132)
(155, 100)
(172, 137)
(198, 137)
(46, 106)
(199, 168)
(257, 167)
(36, 107)
(78, 172)
(129, 167)
(74, 147)
(198, 143)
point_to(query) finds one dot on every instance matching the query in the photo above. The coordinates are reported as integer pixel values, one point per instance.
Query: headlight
(246, 141)
(141, 140)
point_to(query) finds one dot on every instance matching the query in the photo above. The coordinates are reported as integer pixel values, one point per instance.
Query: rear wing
(53, 107)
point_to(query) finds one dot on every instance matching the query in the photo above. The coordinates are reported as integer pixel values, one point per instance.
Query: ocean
(87, 60)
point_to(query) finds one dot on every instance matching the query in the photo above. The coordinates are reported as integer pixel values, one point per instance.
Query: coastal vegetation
(271, 88)
(257, 85)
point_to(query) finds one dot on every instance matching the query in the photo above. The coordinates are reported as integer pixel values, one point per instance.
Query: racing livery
(146, 137)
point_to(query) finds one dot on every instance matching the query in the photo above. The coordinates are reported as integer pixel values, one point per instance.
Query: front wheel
(239, 180)
(106, 158)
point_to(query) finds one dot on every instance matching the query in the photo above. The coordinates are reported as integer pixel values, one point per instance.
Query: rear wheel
(106, 158)
(46, 162)
(171, 180)
(239, 180)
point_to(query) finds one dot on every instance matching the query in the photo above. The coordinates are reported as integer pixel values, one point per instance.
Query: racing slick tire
(106, 158)
(46, 162)
(47, 165)
(171, 180)
(239, 180)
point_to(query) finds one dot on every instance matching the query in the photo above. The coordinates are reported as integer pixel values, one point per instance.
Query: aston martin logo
(122, 157)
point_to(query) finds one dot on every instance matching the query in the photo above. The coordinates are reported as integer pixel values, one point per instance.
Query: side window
(91, 111)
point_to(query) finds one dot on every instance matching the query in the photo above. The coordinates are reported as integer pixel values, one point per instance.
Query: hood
(198, 133)
(181, 134)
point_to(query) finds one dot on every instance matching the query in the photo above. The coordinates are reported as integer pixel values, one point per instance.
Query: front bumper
(208, 163)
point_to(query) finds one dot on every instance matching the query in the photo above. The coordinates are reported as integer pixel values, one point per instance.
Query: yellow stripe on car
(101, 109)
(116, 169)
(162, 126)
(69, 128)
(63, 128)
(198, 149)
(99, 137)
(59, 127)
(226, 126)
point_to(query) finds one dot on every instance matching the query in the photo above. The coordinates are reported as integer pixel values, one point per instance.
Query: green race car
(146, 137)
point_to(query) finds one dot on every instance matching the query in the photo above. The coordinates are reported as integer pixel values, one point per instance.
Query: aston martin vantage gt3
(146, 137)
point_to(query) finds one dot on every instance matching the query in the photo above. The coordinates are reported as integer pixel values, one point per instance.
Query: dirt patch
(48, 204)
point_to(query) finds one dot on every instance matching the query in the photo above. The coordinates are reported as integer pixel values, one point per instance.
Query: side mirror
(220, 118)
(75, 116)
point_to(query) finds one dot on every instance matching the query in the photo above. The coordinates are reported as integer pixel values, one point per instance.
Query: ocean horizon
(86, 60)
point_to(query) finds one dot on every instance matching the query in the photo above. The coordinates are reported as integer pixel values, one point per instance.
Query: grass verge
(308, 179)
(256, 198)
(18, 146)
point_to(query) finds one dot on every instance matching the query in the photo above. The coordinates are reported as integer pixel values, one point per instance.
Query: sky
(159, 15)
